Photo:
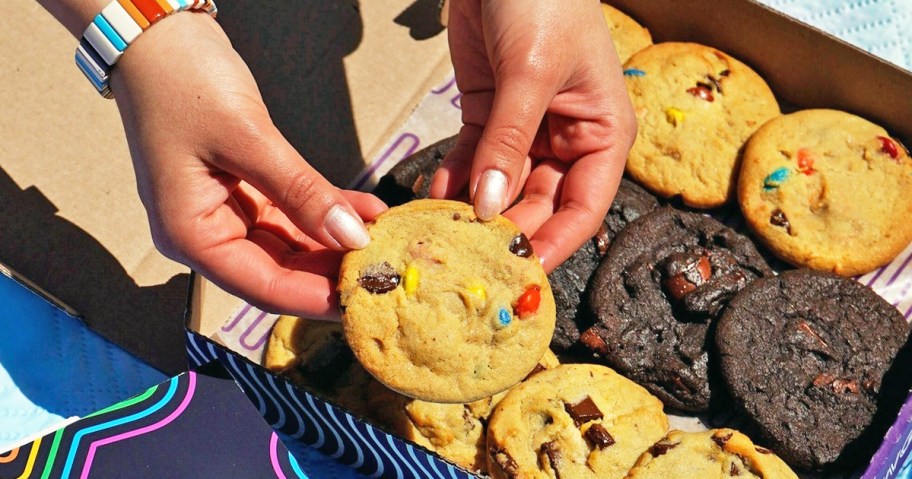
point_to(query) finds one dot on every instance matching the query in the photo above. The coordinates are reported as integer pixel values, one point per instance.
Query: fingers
(262, 157)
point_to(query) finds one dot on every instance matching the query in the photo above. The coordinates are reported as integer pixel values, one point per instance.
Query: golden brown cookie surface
(443, 307)
(628, 36)
(828, 190)
(696, 107)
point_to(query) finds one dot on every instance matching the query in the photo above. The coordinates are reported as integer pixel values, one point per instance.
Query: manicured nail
(490, 194)
(345, 228)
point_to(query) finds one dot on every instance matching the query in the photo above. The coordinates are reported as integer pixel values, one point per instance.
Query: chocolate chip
(601, 239)
(702, 93)
(416, 186)
(844, 386)
(551, 452)
(593, 342)
(380, 278)
(716, 83)
(685, 271)
(818, 344)
(763, 450)
(734, 471)
(502, 459)
(778, 219)
(537, 369)
(724, 73)
(677, 286)
(583, 411)
(520, 246)
(721, 440)
(660, 448)
(599, 436)
(823, 380)
(457, 216)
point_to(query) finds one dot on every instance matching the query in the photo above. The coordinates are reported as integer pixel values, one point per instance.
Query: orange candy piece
(805, 161)
(528, 302)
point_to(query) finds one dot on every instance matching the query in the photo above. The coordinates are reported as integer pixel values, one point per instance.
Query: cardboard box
(196, 424)
(805, 68)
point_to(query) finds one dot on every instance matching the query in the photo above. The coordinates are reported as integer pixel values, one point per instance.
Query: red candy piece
(888, 146)
(702, 93)
(528, 302)
(805, 161)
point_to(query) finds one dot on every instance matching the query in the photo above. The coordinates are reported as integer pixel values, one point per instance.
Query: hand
(545, 113)
(224, 191)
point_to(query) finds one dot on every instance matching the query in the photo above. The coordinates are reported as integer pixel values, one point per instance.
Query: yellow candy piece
(478, 291)
(410, 282)
(674, 116)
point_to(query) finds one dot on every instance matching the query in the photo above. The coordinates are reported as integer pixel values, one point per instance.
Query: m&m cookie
(696, 107)
(827, 190)
(444, 307)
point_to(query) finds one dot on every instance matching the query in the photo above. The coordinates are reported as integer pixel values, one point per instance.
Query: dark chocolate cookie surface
(808, 356)
(665, 281)
(569, 281)
(410, 179)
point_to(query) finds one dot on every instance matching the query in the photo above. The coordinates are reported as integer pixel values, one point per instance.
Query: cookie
(314, 354)
(628, 36)
(696, 107)
(665, 281)
(718, 453)
(411, 178)
(827, 190)
(809, 357)
(574, 421)
(569, 281)
(444, 307)
(454, 431)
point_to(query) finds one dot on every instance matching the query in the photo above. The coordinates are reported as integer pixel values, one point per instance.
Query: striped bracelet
(116, 27)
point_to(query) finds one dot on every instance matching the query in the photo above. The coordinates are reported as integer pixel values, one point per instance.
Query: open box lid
(337, 76)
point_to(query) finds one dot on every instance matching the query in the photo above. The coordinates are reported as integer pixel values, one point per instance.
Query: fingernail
(490, 194)
(345, 228)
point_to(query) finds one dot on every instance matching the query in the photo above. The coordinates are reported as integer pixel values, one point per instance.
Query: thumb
(312, 203)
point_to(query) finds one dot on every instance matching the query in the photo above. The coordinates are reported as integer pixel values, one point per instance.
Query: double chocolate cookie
(809, 357)
(411, 178)
(569, 281)
(665, 281)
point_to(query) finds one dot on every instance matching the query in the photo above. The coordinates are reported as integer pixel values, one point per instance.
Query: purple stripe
(386, 155)
(877, 275)
(888, 459)
(445, 87)
(900, 270)
(246, 333)
(908, 312)
(237, 318)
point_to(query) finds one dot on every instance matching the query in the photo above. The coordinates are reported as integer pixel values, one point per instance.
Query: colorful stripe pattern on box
(319, 424)
(190, 426)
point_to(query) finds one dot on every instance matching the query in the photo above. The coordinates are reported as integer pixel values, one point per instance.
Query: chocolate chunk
(416, 186)
(502, 459)
(593, 341)
(823, 380)
(457, 216)
(763, 450)
(724, 73)
(817, 343)
(379, 279)
(716, 83)
(778, 219)
(721, 439)
(551, 452)
(537, 369)
(734, 471)
(599, 436)
(602, 241)
(844, 386)
(660, 448)
(685, 272)
(702, 93)
(583, 411)
(520, 246)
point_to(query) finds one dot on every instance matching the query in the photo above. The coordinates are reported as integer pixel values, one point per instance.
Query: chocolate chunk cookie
(718, 453)
(411, 178)
(809, 357)
(569, 281)
(665, 280)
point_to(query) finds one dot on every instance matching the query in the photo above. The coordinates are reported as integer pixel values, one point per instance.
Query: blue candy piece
(776, 178)
(505, 317)
(633, 72)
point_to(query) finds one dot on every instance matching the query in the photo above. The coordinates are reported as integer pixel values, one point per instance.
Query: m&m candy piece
(504, 317)
(528, 303)
(776, 178)
(888, 146)
(633, 72)
(410, 279)
(674, 116)
(805, 161)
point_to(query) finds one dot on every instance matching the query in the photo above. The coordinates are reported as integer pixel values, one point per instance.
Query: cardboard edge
(40, 292)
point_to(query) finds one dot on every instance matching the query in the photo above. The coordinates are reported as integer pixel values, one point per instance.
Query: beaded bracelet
(116, 27)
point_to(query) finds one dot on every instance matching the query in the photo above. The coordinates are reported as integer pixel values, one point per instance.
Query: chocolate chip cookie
(828, 190)
(718, 453)
(574, 421)
(411, 178)
(569, 281)
(809, 357)
(444, 307)
(665, 281)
